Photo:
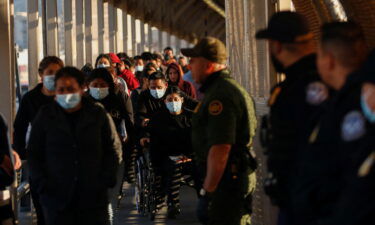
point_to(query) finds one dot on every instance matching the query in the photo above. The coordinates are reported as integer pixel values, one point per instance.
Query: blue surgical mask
(174, 107)
(103, 65)
(49, 82)
(68, 101)
(367, 112)
(138, 68)
(99, 93)
(157, 93)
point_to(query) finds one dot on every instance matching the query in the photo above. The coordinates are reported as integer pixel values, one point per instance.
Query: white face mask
(99, 93)
(138, 68)
(157, 93)
(68, 101)
(174, 107)
(49, 82)
(103, 65)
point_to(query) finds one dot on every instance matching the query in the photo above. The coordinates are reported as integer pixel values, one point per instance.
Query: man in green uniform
(224, 124)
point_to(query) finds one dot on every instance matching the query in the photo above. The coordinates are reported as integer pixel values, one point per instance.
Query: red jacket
(130, 79)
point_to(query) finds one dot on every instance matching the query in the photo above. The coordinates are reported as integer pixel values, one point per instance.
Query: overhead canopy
(186, 19)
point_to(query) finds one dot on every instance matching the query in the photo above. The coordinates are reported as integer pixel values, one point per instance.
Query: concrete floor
(128, 214)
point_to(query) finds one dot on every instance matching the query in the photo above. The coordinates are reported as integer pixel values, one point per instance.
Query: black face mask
(166, 57)
(277, 65)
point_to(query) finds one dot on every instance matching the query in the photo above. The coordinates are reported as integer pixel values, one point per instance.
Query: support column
(112, 27)
(70, 49)
(93, 31)
(52, 28)
(80, 34)
(101, 32)
(88, 31)
(33, 41)
(143, 36)
(160, 40)
(150, 39)
(249, 65)
(7, 62)
(134, 41)
(169, 40)
(178, 45)
(125, 33)
(119, 33)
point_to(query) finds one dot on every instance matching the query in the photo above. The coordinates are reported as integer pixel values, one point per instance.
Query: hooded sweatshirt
(184, 86)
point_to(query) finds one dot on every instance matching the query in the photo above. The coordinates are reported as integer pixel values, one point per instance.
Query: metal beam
(52, 28)
(88, 31)
(160, 40)
(80, 34)
(7, 62)
(33, 41)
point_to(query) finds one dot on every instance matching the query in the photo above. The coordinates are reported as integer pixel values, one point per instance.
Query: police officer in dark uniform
(224, 124)
(292, 102)
(334, 141)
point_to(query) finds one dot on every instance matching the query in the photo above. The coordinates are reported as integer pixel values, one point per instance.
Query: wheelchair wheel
(139, 188)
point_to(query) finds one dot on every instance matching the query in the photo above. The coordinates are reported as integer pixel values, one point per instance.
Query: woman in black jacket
(170, 135)
(31, 102)
(74, 154)
(118, 104)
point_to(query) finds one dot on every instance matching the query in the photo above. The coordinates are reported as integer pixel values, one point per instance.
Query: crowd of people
(79, 130)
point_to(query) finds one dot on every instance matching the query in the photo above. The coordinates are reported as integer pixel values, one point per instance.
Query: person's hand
(144, 141)
(145, 122)
(17, 161)
(368, 91)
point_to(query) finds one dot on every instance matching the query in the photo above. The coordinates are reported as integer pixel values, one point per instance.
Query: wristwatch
(203, 192)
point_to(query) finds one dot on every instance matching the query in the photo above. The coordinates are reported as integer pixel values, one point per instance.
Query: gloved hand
(202, 209)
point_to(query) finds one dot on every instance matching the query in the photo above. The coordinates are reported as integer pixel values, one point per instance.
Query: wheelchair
(148, 195)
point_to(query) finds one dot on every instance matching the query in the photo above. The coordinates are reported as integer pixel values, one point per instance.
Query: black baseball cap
(209, 48)
(286, 27)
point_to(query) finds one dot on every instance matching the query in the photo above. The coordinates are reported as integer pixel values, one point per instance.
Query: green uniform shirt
(225, 116)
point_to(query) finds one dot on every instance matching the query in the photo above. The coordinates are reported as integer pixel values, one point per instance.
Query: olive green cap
(209, 48)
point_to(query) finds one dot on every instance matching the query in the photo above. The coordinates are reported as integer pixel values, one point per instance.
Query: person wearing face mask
(151, 101)
(175, 75)
(170, 135)
(139, 63)
(31, 102)
(119, 106)
(292, 102)
(334, 143)
(131, 82)
(103, 61)
(74, 154)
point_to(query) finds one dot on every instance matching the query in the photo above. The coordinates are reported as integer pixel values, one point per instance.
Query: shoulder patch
(316, 93)
(215, 107)
(366, 166)
(353, 126)
(274, 95)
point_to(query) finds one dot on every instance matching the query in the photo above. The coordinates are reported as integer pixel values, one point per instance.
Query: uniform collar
(212, 78)
(306, 63)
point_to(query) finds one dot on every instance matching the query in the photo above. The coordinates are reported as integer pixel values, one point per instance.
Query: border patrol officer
(292, 102)
(335, 138)
(224, 124)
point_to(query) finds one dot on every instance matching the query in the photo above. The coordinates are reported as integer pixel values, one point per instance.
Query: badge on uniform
(353, 126)
(215, 108)
(366, 166)
(316, 93)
